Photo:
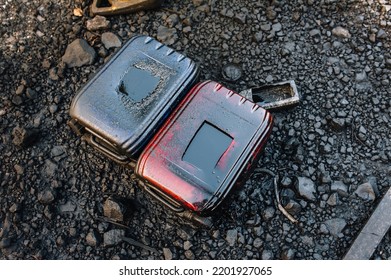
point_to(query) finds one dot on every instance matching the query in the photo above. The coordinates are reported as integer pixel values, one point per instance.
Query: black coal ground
(54, 188)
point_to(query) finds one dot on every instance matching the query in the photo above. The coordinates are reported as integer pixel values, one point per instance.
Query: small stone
(198, 2)
(293, 207)
(15, 208)
(167, 254)
(340, 187)
(288, 254)
(268, 213)
(232, 236)
(166, 35)
(337, 124)
(361, 77)
(335, 226)
(341, 32)
(98, 23)
(92, 239)
(231, 72)
(366, 192)
(257, 242)
(50, 168)
(306, 188)
(286, 182)
(381, 34)
(77, 12)
(267, 255)
(315, 32)
(113, 237)
(24, 137)
(258, 36)
(67, 207)
(114, 210)
(17, 100)
(333, 199)
(110, 40)
(266, 27)
(79, 53)
(19, 169)
(20, 90)
(46, 196)
(189, 255)
(58, 152)
(30, 93)
(271, 14)
(53, 108)
(172, 20)
(187, 245)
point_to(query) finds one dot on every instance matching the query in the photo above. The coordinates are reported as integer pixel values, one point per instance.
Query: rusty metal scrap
(116, 7)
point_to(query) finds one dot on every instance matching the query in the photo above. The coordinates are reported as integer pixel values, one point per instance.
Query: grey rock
(306, 187)
(110, 40)
(23, 137)
(232, 236)
(172, 20)
(98, 23)
(19, 169)
(315, 32)
(187, 245)
(267, 255)
(266, 27)
(337, 124)
(268, 213)
(53, 108)
(79, 53)
(198, 2)
(46, 196)
(113, 237)
(258, 242)
(167, 254)
(381, 34)
(333, 199)
(258, 36)
(92, 239)
(293, 207)
(189, 255)
(231, 72)
(366, 191)
(335, 226)
(67, 207)
(339, 186)
(241, 18)
(288, 254)
(16, 207)
(30, 93)
(20, 90)
(58, 152)
(50, 168)
(341, 32)
(271, 14)
(113, 209)
(361, 77)
(286, 182)
(166, 35)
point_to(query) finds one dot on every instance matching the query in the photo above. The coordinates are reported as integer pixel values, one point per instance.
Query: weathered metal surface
(116, 7)
(123, 105)
(274, 96)
(373, 231)
(210, 140)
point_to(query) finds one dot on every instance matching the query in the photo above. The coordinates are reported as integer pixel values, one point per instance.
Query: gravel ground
(332, 153)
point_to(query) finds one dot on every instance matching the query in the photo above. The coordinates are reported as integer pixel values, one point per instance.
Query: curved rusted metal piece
(116, 7)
